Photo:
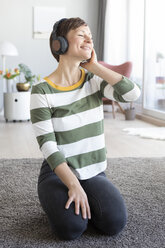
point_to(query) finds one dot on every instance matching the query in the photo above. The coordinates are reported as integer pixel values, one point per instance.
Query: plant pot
(23, 86)
(130, 114)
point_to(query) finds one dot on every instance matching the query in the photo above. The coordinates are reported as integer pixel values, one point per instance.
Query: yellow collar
(72, 87)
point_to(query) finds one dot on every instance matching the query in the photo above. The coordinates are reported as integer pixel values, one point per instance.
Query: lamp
(6, 49)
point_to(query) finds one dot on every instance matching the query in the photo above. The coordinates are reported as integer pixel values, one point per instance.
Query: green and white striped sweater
(68, 121)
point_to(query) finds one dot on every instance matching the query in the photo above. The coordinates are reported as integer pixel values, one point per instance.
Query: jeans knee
(115, 224)
(71, 231)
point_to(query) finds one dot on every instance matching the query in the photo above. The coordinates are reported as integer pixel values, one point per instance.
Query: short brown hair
(63, 28)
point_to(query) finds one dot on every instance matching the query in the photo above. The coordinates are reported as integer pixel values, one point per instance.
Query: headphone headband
(55, 26)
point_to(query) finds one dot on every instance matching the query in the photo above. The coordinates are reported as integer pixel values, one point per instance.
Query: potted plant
(30, 79)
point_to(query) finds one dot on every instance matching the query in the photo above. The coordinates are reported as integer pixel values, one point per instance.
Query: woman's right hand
(77, 194)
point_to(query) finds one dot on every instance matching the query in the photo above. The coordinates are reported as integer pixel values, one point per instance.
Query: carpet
(148, 132)
(140, 180)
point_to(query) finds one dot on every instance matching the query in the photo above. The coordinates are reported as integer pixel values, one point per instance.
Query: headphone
(59, 43)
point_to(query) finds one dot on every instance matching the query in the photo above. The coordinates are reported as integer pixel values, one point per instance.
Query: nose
(88, 39)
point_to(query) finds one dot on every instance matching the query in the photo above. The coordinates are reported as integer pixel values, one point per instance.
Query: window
(154, 59)
(146, 50)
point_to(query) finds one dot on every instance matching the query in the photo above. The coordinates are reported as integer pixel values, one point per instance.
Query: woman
(67, 116)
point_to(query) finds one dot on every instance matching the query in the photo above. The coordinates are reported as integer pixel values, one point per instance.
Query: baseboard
(151, 120)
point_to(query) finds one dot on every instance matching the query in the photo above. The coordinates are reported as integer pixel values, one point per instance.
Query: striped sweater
(68, 121)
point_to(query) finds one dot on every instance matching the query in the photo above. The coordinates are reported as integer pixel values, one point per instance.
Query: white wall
(16, 26)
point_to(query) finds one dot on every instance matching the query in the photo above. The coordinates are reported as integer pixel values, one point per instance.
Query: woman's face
(80, 43)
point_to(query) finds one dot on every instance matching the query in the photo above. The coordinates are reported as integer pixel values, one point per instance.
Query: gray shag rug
(140, 180)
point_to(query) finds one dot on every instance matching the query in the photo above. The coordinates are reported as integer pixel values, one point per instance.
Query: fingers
(88, 211)
(93, 55)
(92, 61)
(70, 200)
(85, 209)
(77, 208)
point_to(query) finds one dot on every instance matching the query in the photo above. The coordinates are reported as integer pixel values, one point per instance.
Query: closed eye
(83, 36)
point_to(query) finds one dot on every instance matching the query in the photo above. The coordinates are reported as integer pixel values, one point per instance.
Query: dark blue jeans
(108, 211)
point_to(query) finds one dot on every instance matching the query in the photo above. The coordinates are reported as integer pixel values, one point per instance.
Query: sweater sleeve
(123, 91)
(41, 118)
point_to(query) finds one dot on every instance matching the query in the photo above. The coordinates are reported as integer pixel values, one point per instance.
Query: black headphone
(59, 43)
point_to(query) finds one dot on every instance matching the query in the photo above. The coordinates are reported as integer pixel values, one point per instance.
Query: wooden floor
(17, 140)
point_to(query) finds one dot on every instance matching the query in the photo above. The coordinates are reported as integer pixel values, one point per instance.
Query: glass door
(154, 59)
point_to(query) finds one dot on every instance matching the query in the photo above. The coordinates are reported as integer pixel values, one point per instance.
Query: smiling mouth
(86, 48)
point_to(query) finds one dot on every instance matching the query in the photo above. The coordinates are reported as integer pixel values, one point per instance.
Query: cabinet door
(17, 106)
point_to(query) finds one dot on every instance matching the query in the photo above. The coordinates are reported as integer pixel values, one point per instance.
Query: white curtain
(116, 32)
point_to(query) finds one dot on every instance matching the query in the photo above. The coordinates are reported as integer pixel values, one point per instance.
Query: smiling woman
(80, 43)
(67, 116)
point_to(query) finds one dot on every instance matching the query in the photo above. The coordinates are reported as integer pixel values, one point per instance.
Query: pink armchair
(125, 69)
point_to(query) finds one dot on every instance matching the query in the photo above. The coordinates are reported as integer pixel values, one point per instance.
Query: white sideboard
(17, 106)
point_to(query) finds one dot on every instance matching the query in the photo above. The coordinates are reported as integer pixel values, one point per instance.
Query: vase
(23, 86)
(9, 85)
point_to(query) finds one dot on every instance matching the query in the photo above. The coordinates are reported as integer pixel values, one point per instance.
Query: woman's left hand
(91, 62)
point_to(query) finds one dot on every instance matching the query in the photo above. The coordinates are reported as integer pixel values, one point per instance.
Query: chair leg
(113, 109)
(121, 109)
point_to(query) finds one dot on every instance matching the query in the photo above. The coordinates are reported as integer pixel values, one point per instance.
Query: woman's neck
(66, 74)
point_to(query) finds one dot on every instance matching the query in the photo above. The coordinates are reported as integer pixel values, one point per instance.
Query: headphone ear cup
(55, 46)
(60, 45)
(63, 44)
